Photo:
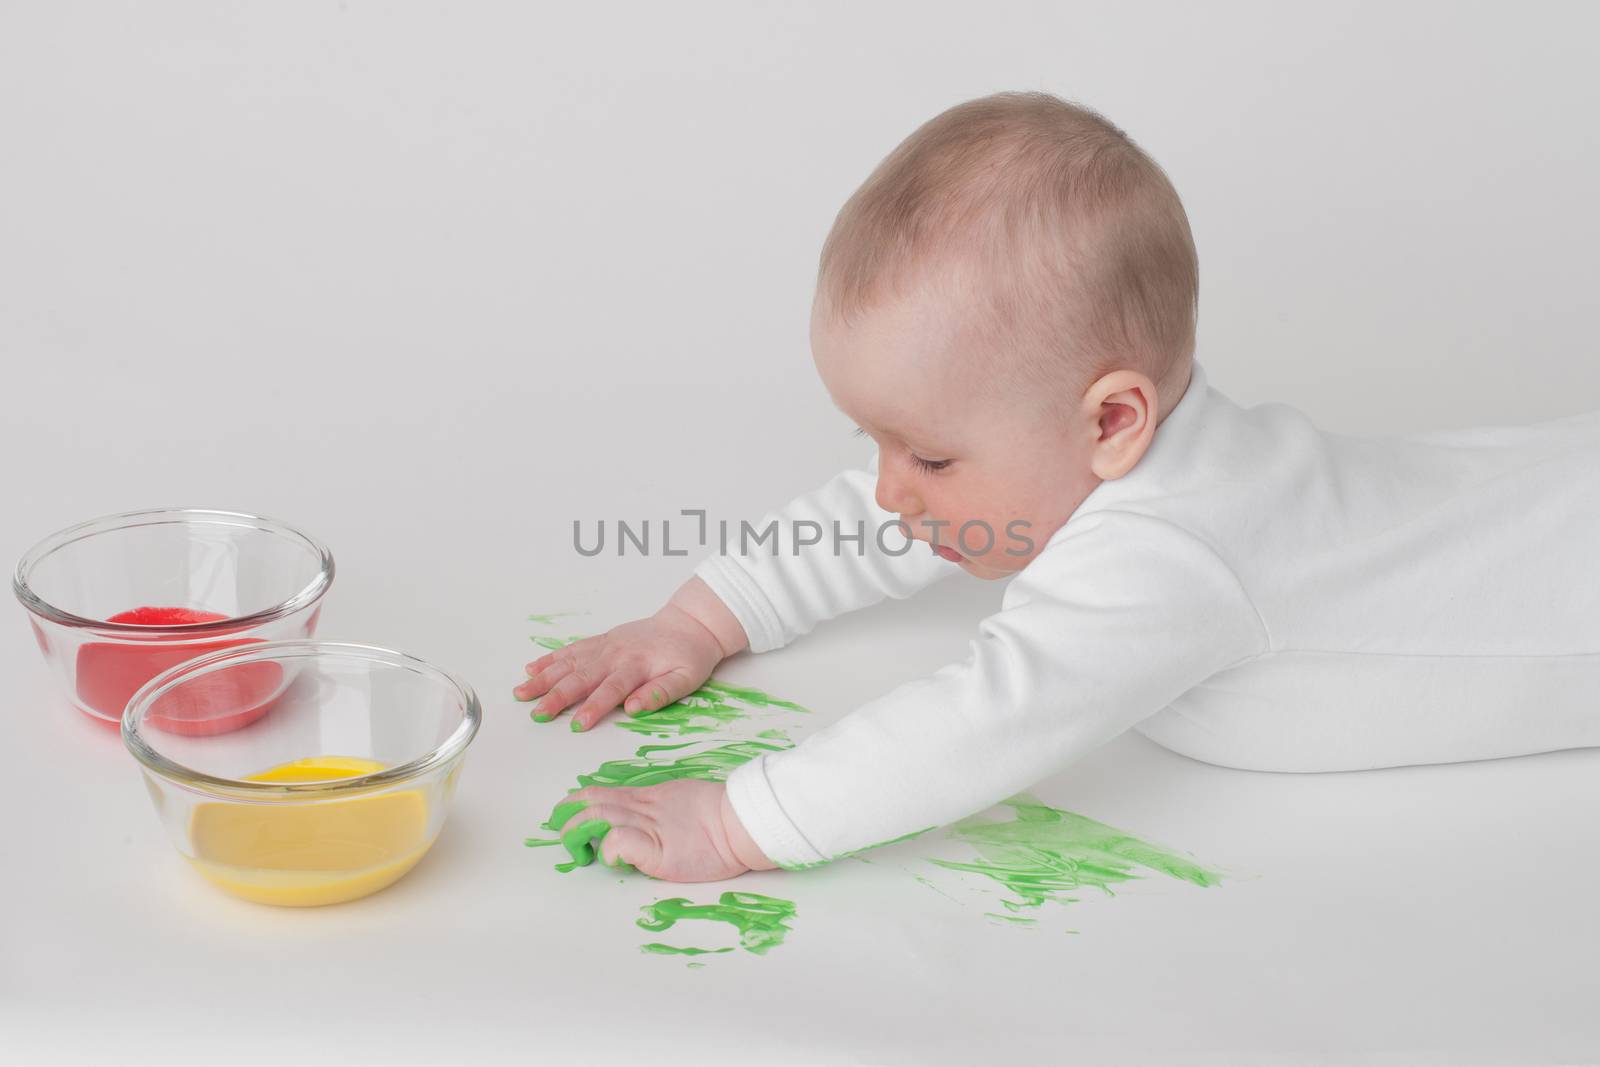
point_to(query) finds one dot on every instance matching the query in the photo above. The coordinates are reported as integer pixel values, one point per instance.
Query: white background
(431, 281)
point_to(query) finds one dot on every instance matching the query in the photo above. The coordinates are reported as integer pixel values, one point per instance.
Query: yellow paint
(311, 852)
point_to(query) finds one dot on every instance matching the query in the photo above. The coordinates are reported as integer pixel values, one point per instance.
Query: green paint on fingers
(762, 921)
(583, 842)
(562, 812)
(712, 764)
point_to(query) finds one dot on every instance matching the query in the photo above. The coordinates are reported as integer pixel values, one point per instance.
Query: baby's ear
(1125, 407)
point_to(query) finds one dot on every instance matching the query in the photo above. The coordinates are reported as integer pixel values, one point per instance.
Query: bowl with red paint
(115, 601)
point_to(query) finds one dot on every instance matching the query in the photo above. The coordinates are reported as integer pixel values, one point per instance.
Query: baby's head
(1007, 307)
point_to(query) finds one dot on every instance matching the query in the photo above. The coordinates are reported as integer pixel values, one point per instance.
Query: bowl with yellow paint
(334, 796)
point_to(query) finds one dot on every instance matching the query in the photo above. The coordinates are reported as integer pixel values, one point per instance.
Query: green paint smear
(714, 705)
(658, 949)
(1045, 853)
(1017, 919)
(692, 714)
(708, 765)
(762, 921)
(553, 643)
(749, 696)
(544, 620)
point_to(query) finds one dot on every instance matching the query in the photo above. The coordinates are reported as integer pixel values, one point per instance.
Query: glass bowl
(115, 601)
(335, 795)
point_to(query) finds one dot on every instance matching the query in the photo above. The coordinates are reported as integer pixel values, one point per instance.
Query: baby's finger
(613, 813)
(540, 682)
(580, 841)
(606, 696)
(563, 811)
(659, 691)
(631, 846)
(575, 686)
(535, 666)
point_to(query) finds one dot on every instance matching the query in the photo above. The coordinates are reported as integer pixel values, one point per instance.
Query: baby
(1007, 309)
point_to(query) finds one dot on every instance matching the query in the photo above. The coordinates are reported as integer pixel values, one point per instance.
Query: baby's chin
(979, 569)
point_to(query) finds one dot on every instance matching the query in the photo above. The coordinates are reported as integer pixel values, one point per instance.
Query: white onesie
(1255, 593)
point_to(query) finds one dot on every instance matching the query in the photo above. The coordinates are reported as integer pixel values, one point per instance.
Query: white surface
(432, 283)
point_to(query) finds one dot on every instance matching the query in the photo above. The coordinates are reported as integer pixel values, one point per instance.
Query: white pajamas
(1255, 593)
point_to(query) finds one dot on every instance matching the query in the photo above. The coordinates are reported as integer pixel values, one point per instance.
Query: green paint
(749, 696)
(582, 843)
(656, 948)
(645, 768)
(708, 765)
(691, 715)
(553, 643)
(714, 705)
(1015, 919)
(762, 921)
(921, 879)
(1045, 853)
(562, 812)
(544, 620)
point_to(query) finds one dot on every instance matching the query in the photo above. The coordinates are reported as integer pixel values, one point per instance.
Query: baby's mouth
(939, 550)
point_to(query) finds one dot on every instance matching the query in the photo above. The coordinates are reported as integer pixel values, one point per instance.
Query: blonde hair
(1072, 240)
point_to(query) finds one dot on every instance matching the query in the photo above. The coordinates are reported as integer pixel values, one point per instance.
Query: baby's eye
(929, 464)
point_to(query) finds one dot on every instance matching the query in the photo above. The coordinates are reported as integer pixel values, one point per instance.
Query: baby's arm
(758, 600)
(1114, 619)
(781, 588)
(1110, 623)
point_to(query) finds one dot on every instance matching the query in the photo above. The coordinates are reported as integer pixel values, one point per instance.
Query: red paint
(165, 616)
(109, 673)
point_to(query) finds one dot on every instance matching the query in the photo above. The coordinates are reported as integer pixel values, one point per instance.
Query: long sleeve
(781, 587)
(1117, 615)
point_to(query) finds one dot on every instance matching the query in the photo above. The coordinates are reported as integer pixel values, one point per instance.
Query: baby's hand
(642, 665)
(681, 831)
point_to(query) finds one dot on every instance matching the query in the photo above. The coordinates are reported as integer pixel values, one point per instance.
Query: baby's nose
(892, 497)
